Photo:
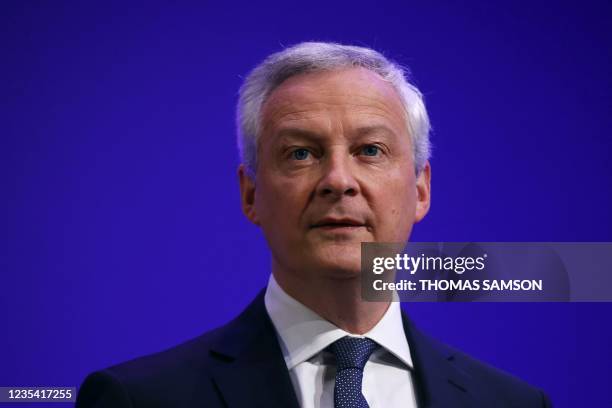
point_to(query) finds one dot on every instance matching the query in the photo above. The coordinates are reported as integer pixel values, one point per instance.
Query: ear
(247, 194)
(423, 186)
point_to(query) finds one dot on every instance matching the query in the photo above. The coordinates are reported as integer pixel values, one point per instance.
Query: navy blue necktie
(351, 353)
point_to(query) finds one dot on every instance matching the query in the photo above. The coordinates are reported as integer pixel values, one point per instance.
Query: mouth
(341, 224)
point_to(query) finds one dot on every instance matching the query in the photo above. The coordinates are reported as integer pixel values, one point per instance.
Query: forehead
(353, 96)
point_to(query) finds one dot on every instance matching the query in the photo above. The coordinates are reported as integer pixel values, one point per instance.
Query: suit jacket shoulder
(163, 379)
(447, 377)
(239, 364)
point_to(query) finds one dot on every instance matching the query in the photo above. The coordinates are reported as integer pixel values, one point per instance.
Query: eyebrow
(368, 130)
(290, 132)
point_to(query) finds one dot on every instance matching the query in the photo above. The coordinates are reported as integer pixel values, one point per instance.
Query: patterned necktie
(351, 353)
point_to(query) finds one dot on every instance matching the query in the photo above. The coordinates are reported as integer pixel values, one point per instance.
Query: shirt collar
(303, 333)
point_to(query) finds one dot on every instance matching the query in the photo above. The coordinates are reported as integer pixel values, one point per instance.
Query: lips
(330, 223)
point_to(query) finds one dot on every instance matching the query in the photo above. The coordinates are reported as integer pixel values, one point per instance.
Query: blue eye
(370, 150)
(300, 154)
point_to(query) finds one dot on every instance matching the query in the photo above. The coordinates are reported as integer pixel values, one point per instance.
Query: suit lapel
(438, 381)
(250, 369)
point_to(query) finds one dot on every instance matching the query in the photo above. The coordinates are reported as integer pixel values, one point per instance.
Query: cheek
(278, 203)
(395, 204)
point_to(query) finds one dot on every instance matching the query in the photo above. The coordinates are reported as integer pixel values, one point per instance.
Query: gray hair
(320, 56)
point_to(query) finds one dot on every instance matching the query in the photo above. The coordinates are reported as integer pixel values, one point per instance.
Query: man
(334, 148)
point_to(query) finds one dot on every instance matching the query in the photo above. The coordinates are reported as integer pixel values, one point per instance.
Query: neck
(337, 300)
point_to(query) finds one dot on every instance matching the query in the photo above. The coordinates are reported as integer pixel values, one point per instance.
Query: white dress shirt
(303, 335)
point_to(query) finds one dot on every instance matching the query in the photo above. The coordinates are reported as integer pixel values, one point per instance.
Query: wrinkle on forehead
(323, 97)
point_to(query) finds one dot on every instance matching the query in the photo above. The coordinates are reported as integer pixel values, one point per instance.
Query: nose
(338, 178)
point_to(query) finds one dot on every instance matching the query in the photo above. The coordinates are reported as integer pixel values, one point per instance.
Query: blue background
(121, 228)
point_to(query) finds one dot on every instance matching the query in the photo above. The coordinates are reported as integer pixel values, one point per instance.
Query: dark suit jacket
(241, 365)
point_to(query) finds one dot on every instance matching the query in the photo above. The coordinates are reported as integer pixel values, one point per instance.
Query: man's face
(335, 169)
